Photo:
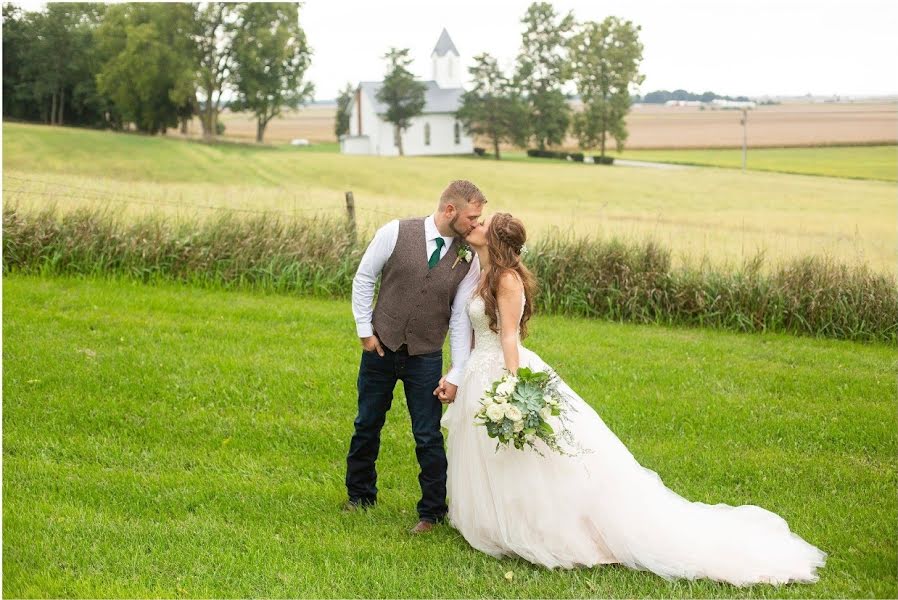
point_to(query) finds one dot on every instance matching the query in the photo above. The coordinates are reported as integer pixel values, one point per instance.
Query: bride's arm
(508, 298)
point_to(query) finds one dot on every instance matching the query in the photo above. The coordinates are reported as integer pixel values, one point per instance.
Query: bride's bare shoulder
(510, 282)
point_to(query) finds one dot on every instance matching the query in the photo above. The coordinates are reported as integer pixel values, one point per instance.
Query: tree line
(662, 96)
(153, 66)
(600, 60)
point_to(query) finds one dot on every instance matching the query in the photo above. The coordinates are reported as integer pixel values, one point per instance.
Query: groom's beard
(455, 229)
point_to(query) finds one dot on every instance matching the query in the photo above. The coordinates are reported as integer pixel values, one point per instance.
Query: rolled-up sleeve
(365, 280)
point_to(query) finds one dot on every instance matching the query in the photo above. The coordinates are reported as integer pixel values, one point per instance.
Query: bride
(600, 506)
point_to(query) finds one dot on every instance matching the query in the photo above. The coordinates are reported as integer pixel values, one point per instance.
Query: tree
(344, 111)
(270, 58)
(46, 55)
(543, 68)
(493, 108)
(216, 26)
(16, 100)
(403, 95)
(605, 59)
(149, 72)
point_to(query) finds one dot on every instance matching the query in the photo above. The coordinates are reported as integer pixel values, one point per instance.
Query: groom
(422, 294)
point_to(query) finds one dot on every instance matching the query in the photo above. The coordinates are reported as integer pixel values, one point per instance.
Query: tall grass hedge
(609, 279)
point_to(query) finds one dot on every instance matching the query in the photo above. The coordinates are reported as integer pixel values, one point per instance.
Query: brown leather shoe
(421, 527)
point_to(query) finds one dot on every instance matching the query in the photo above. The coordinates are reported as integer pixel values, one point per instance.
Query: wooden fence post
(350, 213)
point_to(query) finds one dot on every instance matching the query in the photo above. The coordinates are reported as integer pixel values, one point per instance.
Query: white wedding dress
(601, 506)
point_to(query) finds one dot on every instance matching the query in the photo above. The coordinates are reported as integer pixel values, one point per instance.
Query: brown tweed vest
(414, 302)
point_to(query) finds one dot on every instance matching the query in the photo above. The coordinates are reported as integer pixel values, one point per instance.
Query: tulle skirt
(600, 506)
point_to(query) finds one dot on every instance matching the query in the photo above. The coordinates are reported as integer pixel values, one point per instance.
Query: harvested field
(653, 126)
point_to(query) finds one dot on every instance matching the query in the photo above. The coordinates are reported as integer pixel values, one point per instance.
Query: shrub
(479, 151)
(611, 279)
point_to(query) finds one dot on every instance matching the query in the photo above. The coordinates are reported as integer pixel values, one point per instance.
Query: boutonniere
(464, 253)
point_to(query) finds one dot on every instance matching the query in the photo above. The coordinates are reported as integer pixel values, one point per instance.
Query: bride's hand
(445, 392)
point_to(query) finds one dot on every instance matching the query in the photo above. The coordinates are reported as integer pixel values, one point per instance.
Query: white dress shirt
(379, 251)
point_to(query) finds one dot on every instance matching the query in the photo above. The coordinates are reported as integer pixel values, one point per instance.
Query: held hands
(372, 344)
(445, 392)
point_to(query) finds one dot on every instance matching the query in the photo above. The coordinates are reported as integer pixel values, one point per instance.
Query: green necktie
(435, 257)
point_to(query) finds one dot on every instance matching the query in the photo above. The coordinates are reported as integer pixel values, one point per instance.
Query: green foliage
(403, 95)
(493, 108)
(153, 64)
(171, 441)
(314, 257)
(543, 67)
(344, 110)
(49, 64)
(149, 71)
(271, 56)
(632, 282)
(605, 60)
(662, 96)
(216, 25)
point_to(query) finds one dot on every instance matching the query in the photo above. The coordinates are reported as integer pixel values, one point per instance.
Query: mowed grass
(856, 162)
(723, 215)
(177, 442)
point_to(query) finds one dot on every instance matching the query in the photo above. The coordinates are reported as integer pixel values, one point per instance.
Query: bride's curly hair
(505, 239)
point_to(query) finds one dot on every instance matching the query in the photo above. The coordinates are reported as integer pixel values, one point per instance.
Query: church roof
(444, 45)
(436, 99)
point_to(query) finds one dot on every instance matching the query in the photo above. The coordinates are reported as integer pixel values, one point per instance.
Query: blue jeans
(420, 375)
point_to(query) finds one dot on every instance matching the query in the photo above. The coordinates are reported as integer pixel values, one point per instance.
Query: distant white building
(733, 103)
(717, 103)
(435, 131)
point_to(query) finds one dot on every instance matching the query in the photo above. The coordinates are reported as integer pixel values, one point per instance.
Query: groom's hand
(372, 344)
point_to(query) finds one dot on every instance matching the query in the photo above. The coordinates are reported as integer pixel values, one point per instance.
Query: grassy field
(176, 442)
(857, 162)
(722, 214)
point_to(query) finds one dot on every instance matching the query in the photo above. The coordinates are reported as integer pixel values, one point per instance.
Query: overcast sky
(775, 47)
(754, 47)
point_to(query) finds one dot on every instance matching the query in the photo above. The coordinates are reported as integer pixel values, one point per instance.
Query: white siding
(355, 144)
(377, 135)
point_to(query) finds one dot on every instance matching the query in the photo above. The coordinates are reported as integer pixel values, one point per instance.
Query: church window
(457, 133)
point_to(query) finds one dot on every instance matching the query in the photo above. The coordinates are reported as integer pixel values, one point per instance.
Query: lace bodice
(485, 339)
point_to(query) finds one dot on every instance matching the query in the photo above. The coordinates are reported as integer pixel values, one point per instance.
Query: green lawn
(721, 214)
(177, 442)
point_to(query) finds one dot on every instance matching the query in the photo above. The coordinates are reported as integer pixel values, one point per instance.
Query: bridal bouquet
(516, 409)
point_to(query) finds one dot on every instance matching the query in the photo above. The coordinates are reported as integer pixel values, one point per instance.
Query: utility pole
(744, 123)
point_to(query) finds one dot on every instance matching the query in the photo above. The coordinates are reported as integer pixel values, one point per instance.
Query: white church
(435, 131)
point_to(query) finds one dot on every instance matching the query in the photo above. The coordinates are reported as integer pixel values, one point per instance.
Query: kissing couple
(456, 272)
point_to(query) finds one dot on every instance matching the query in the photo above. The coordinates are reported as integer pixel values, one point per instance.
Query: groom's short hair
(460, 193)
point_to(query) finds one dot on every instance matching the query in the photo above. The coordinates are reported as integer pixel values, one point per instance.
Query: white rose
(545, 412)
(500, 399)
(495, 412)
(519, 426)
(513, 412)
(506, 388)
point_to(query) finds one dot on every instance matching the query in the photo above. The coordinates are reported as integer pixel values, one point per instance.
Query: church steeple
(446, 63)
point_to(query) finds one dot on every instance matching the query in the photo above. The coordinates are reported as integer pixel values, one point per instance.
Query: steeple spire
(446, 63)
